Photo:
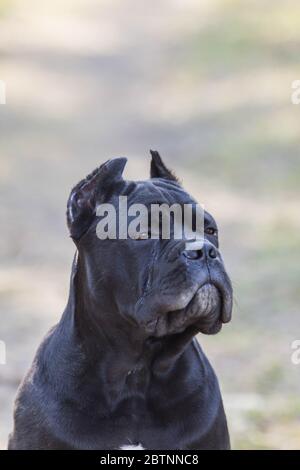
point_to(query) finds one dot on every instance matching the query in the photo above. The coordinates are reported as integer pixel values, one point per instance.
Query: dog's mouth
(203, 311)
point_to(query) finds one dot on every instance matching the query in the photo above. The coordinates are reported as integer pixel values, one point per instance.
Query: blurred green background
(208, 84)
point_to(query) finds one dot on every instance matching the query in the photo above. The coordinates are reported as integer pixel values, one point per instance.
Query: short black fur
(122, 366)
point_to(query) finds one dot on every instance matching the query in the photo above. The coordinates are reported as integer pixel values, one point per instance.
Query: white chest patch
(131, 447)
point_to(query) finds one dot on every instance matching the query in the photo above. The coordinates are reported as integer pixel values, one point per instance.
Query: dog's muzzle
(204, 311)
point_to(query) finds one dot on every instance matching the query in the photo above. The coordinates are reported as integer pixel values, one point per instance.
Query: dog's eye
(211, 231)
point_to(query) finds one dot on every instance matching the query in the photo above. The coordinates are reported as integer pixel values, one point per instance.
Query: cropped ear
(158, 168)
(81, 204)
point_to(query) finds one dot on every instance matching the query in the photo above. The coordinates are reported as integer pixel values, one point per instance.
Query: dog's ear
(159, 169)
(81, 204)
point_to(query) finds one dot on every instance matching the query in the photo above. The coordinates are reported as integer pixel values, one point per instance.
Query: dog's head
(155, 286)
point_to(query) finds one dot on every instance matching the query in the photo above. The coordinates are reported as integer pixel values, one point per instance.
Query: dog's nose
(212, 252)
(208, 249)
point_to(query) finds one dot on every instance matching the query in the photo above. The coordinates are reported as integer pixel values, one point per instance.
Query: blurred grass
(257, 146)
(5, 6)
(265, 429)
(206, 83)
(247, 35)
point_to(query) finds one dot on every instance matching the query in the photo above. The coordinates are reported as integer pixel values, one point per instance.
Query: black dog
(122, 368)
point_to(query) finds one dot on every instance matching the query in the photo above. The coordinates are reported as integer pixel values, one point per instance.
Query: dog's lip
(190, 301)
(225, 298)
(225, 291)
(171, 313)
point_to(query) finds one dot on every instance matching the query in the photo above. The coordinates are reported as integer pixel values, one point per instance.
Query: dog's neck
(99, 330)
(126, 351)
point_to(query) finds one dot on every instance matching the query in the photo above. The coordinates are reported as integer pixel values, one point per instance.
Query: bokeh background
(208, 84)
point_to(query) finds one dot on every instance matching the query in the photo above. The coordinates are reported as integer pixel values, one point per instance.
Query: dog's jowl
(123, 368)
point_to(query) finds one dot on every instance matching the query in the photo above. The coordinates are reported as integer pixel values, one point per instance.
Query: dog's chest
(132, 447)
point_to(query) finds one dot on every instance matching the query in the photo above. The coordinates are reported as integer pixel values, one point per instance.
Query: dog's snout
(212, 253)
(207, 250)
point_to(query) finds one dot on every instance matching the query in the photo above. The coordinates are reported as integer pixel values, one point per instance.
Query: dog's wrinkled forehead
(156, 191)
(106, 182)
